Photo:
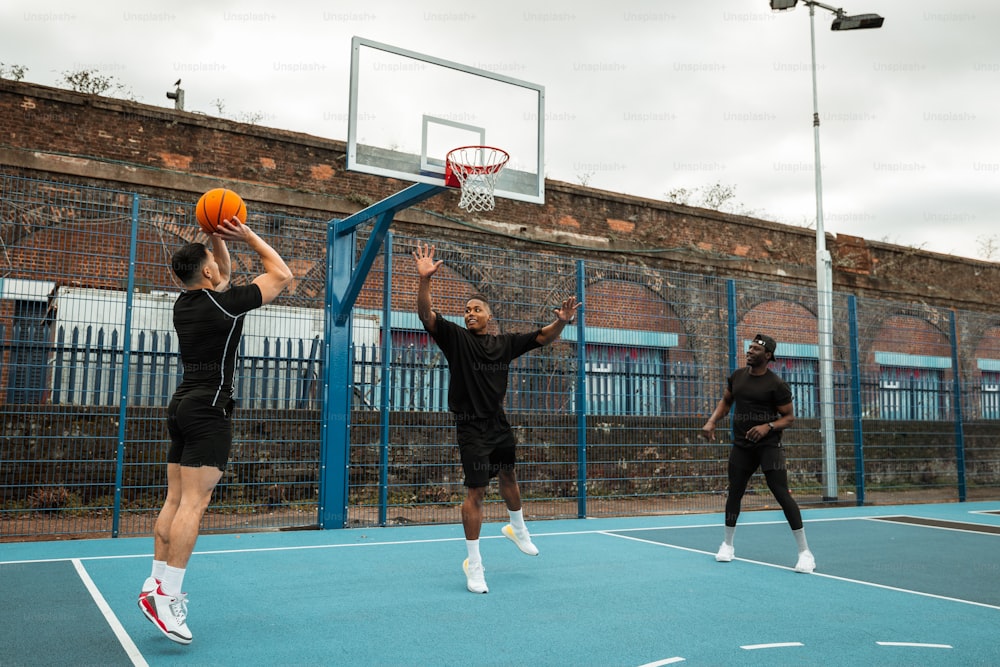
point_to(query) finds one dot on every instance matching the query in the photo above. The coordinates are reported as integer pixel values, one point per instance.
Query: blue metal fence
(608, 418)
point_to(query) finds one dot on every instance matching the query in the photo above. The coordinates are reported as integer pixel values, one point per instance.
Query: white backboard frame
(522, 180)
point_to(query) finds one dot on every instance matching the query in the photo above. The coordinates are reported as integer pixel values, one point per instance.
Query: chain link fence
(608, 418)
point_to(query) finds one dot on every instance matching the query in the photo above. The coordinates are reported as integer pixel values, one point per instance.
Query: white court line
(754, 647)
(596, 531)
(660, 663)
(814, 574)
(669, 546)
(130, 648)
(304, 547)
(915, 644)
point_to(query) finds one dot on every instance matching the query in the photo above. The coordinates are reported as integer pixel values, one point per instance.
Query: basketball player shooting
(208, 318)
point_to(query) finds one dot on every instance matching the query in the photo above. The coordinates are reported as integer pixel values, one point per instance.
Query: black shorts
(768, 457)
(486, 446)
(201, 434)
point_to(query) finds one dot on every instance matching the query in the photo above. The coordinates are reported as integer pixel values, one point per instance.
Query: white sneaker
(146, 606)
(523, 542)
(149, 585)
(171, 615)
(806, 563)
(475, 579)
(726, 553)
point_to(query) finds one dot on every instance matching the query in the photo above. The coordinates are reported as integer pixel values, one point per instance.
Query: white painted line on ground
(669, 546)
(915, 644)
(754, 647)
(595, 531)
(699, 551)
(660, 663)
(123, 637)
(815, 574)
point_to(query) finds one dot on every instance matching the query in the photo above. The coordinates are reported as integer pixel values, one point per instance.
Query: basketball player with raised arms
(479, 363)
(208, 319)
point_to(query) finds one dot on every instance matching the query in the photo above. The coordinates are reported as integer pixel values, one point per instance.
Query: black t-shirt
(756, 399)
(479, 366)
(209, 325)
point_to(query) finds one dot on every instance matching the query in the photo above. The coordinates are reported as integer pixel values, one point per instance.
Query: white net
(476, 169)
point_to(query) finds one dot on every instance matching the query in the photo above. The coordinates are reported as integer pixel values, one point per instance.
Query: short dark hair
(480, 297)
(188, 260)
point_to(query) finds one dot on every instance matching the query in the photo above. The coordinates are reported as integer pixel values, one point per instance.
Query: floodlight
(857, 22)
(781, 5)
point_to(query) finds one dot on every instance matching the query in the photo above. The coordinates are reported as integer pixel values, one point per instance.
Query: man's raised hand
(568, 311)
(424, 256)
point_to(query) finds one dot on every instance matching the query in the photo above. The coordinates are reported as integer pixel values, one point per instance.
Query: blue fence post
(957, 389)
(383, 464)
(126, 359)
(859, 434)
(732, 320)
(335, 426)
(3, 337)
(581, 395)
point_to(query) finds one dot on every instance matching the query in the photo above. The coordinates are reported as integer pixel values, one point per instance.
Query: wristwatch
(770, 425)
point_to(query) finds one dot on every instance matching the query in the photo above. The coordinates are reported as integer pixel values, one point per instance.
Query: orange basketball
(218, 205)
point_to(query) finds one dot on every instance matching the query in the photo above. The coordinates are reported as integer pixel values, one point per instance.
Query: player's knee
(162, 531)
(171, 503)
(195, 504)
(507, 476)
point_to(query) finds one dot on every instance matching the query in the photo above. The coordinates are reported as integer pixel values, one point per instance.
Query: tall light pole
(824, 264)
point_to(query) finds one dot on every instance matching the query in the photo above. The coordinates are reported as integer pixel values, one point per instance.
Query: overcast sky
(642, 96)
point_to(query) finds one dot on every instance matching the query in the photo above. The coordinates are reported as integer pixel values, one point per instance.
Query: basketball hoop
(475, 169)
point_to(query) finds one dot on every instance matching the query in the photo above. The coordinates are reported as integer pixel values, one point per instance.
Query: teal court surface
(900, 585)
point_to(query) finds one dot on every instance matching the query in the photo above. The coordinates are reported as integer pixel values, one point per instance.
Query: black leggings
(777, 481)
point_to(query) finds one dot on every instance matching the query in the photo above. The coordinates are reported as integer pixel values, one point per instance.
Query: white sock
(730, 534)
(173, 579)
(473, 548)
(517, 520)
(158, 566)
(800, 539)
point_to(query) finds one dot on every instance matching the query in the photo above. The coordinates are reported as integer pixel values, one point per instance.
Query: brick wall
(59, 134)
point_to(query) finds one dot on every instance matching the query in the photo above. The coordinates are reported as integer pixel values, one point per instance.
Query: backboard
(407, 110)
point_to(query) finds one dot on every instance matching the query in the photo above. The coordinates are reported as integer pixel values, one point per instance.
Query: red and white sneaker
(170, 613)
(145, 606)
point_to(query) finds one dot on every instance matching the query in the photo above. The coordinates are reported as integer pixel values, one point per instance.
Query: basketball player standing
(479, 363)
(763, 411)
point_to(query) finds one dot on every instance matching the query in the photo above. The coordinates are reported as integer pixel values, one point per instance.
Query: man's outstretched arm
(565, 315)
(276, 274)
(426, 267)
